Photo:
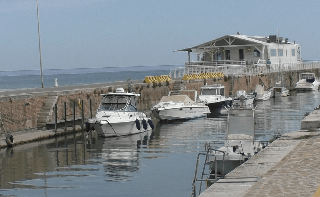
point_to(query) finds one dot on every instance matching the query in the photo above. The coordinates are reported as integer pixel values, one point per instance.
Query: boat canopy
(177, 98)
(113, 102)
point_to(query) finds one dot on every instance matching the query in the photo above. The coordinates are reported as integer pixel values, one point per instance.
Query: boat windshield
(115, 103)
(219, 91)
(307, 76)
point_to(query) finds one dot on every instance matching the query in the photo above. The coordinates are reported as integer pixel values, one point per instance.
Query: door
(227, 54)
(241, 55)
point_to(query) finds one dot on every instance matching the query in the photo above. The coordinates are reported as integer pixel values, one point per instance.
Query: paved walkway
(290, 166)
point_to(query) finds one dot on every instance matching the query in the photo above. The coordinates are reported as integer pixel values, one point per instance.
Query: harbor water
(31, 78)
(157, 163)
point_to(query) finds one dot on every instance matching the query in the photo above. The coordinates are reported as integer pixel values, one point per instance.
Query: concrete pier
(287, 167)
(28, 136)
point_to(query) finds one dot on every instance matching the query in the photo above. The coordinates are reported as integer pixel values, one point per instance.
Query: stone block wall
(21, 112)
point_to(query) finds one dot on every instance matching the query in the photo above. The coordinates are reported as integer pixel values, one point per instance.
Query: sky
(113, 33)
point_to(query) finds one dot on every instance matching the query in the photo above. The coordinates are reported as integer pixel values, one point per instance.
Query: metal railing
(239, 69)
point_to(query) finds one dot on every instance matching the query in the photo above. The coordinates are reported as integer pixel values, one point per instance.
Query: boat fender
(138, 124)
(144, 124)
(9, 139)
(87, 127)
(151, 123)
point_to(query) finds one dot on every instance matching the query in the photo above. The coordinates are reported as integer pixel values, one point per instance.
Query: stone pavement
(290, 166)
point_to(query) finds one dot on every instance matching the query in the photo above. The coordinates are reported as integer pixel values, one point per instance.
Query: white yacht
(261, 94)
(174, 107)
(117, 115)
(242, 99)
(307, 82)
(214, 97)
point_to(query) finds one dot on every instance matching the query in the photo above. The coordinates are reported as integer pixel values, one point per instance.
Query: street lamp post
(39, 46)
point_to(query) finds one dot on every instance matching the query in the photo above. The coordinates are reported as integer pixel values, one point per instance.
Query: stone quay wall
(20, 112)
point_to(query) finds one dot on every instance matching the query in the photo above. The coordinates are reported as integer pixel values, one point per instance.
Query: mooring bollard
(55, 118)
(90, 105)
(74, 115)
(65, 117)
(82, 114)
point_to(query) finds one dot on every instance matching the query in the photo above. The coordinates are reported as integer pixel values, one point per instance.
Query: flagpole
(39, 46)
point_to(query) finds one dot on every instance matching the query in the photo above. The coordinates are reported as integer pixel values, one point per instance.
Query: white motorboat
(214, 97)
(307, 82)
(242, 99)
(223, 156)
(173, 107)
(117, 115)
(279, 91)
(240, 143)
(261, 94)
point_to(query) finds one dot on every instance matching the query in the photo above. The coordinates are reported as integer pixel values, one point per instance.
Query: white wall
(287, 53)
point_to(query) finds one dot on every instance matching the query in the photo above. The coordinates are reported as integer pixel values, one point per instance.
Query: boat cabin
(309, 77)
(119, 100)
(215, 89)
(244, 50)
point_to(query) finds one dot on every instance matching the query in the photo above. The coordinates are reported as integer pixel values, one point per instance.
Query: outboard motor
(138, 124)
(144, 124)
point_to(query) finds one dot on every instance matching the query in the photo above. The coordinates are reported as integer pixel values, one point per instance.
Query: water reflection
(137, 165)
(119, 156)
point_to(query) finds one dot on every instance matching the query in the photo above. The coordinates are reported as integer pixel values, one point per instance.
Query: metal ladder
(209, 152)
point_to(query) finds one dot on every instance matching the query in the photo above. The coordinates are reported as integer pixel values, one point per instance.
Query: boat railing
(239, 68)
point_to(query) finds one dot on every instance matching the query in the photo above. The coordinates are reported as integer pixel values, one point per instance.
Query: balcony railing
(239, 68)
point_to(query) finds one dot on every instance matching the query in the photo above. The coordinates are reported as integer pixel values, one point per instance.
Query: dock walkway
(290, 166)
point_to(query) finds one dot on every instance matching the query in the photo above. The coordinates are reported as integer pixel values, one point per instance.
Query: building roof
(229, 41)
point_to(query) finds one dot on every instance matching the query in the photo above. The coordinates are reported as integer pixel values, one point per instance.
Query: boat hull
(226, 166)
(180, 113)
(119, 127)
(307, 87)
(215, 108)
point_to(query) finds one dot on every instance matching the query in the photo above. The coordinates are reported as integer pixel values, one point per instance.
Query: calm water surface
(158, 163)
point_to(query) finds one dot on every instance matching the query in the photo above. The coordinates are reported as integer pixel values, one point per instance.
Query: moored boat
(279, 91)
(242, 99)
(307, 82)
(261, 94)
(173, 107)
(117, 115)
(214, 97)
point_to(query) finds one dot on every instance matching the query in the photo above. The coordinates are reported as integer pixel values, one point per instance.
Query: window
(256, 53)
(293, 52)
(280, 52)
(219, 55)
(209, 92)
(227, 54)
(273, 52)
(298, 53)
